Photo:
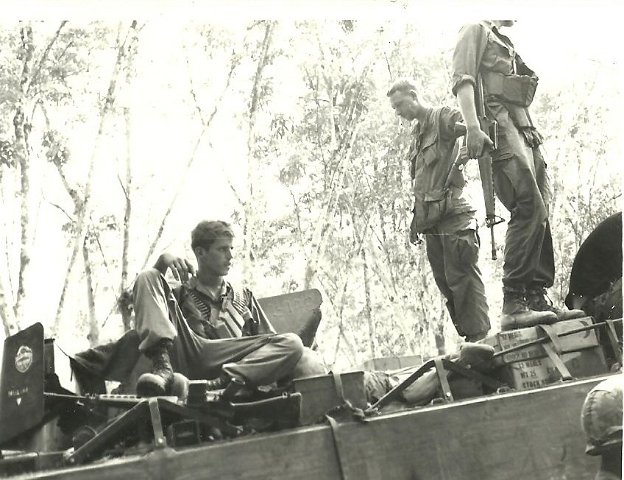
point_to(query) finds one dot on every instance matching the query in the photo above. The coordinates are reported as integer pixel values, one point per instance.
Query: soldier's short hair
(403, 85)
(207, 231)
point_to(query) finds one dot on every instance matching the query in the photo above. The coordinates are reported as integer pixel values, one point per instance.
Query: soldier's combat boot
(218, 383)
(538, 300)
(158, 381)
(517, 314)
(232, 389)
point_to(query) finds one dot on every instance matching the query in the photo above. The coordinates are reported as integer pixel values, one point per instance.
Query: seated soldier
(208, 328)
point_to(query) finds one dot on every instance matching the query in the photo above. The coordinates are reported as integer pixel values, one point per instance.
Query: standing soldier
(442, 213)
(485, 62)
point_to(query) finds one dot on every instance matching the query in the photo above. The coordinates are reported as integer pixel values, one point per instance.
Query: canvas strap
(553, 350)
(612, 334)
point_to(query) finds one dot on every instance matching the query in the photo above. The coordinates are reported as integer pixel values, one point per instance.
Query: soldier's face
(217, 259)
(403, 104)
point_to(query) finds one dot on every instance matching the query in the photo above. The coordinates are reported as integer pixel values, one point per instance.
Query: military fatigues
(229, 333)
(520, 177)
(448, 222)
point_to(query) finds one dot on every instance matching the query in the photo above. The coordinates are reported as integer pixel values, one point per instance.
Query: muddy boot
(538, 301)
(516, 313)
(476, 337)
(159, 380)
(180, 387)
(232, 389)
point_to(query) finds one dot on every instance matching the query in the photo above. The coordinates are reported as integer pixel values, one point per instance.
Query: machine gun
(485, 163)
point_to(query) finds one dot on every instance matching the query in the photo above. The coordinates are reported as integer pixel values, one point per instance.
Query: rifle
(485, 162)
(108, 400)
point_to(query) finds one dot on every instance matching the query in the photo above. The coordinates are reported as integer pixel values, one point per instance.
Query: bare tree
(84, 208)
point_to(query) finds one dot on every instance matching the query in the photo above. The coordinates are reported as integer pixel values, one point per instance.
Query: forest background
(117, 137)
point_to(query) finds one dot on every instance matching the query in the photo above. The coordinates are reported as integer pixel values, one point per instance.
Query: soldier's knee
(290, 341)
(310, 364)
(147, 280)
(531, 207)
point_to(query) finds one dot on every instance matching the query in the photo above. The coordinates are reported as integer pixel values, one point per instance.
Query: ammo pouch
(514, 89)
(430, 209)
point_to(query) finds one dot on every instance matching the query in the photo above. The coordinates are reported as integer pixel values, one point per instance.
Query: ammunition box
(530, 367)
(319, 395)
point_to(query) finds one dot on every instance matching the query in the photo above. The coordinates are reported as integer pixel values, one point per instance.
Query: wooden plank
(533, 434)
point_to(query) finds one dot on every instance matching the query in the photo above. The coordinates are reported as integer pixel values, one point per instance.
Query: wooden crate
(530, 367)
(318, 394)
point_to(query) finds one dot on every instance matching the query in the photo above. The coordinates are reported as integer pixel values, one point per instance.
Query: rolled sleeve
(467, 56)
(448, 118)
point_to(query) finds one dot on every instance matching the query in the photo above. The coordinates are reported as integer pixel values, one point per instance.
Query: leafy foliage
(284, 128)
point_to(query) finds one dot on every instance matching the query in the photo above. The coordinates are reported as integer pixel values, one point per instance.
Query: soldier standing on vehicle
(485, 58)
(441, 213)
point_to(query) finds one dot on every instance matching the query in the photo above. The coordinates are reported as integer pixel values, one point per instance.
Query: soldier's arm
(476, 138)
(448, 119)
(181, 268)
(471, 43)
(466, 60)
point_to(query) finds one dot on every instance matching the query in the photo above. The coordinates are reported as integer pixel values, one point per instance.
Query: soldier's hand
(181, 268)
(476, 141)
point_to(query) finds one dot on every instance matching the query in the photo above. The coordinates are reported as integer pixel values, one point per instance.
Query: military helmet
(601, 417)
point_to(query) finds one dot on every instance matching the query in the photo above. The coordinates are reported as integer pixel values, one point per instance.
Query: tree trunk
(319, 237)
(21, 130)
(372, 335)
(94, 328)
(84, 211)
(6, 312)
(126, 316)
(249, 205)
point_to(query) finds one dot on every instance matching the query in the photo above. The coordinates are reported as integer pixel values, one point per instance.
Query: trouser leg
(454, 261)
(257, 360)
(269, 363)
(517, 188)
(464, 279)
(435, 255)
(544, 275)
(151, 309)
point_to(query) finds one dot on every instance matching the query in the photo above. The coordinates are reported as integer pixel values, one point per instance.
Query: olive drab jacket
(437, 209)
(234, 313)
(483, 49)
